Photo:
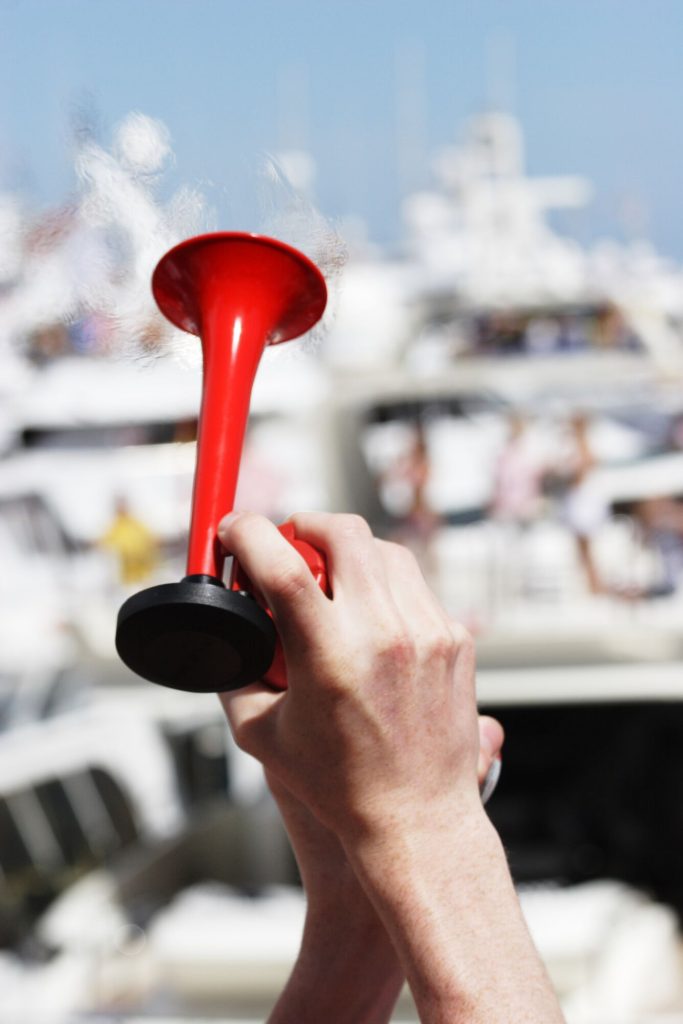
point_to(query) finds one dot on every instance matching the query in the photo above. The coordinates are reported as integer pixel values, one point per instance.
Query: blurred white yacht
(133, 869)
(480, 245)
(485, 310)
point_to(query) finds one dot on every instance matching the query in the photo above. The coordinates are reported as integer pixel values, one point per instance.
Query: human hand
(379, 719)
(325, 872)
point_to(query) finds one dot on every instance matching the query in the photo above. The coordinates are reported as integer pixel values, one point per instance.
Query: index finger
(278, 571)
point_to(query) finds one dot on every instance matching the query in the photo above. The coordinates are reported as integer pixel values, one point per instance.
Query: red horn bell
(239, 293)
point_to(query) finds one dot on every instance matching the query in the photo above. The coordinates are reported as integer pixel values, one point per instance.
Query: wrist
(405, 829)
(430, 881)
(446, 898)
(347, 970)
(341, 922)
(332, 885)
(423, 861)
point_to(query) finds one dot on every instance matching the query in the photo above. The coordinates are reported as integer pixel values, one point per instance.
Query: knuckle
(465, 651)
(401, 555)
(353, 527)
(463, 639)
(442, 647)
(397, 651)
(289, 579)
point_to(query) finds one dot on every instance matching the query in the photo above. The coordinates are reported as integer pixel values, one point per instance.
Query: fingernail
(491, 780)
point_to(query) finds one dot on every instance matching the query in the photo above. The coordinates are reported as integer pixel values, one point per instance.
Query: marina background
(493, 194)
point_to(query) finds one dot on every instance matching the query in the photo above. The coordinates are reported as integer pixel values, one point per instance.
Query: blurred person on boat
(134, 546)
(517, 491)
(660, 522)
(419, 521)
(582, 507)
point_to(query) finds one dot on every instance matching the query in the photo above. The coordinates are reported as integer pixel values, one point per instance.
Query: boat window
(110, 436)
(30, 527)
(14, 856)
(64, 822)
(117, 805)
(532, 332)
(8, 690)
(202, 762)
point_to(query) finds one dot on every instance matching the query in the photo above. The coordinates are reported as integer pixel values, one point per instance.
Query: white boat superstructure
(483, 311)
(481, 241)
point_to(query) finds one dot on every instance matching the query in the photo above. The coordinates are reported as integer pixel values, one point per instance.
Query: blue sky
(596, 83)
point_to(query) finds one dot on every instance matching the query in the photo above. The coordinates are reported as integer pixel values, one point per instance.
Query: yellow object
(134, 545)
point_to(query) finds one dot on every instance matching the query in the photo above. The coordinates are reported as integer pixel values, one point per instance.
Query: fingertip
(226, 524)
(491, 736)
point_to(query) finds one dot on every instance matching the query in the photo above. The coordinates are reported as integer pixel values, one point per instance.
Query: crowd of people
(534, 482)
(599, 328)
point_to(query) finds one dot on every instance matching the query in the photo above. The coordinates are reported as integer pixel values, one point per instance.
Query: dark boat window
(13, 853)
(63, 821)
(117, 805)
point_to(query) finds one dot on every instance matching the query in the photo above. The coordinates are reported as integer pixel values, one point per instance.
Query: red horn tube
(238, 292)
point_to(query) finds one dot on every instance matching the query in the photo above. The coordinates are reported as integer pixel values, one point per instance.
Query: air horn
(237, 292)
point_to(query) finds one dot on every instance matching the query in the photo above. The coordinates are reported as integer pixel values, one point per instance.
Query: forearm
(379, 720)
(347, 971)
(446, 898)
